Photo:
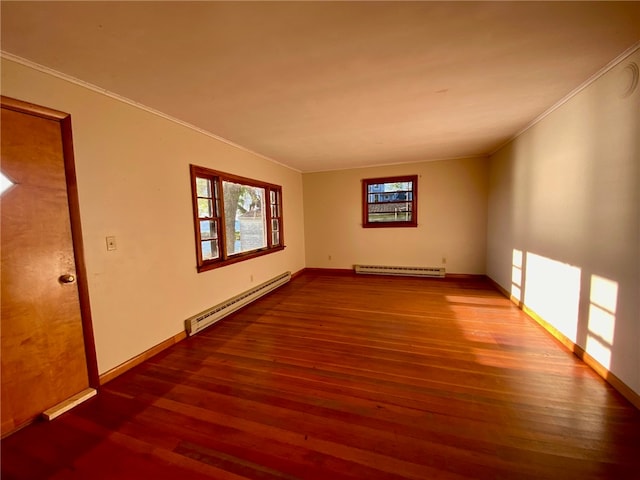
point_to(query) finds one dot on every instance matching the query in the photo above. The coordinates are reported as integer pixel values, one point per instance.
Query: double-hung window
(235, 218)
(390, 201)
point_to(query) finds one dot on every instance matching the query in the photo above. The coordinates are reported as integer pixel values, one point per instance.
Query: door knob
(68, 278)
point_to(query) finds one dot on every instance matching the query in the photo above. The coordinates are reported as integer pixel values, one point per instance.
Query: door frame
(64, 119)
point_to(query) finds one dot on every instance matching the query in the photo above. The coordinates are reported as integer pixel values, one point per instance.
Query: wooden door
(43, 356)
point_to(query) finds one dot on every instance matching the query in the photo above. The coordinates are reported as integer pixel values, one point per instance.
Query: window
(390, 202)
(235, 218)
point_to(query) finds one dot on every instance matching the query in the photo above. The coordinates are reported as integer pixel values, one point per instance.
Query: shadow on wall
(580, 305)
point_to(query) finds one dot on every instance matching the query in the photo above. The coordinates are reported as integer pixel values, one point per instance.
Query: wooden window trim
(395, 224)
(224, 259)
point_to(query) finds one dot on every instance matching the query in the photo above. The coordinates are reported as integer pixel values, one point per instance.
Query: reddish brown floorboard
(349, 377)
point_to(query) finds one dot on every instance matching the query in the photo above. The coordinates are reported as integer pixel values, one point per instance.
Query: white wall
(565, 196)
(133, 181)
(452, 197)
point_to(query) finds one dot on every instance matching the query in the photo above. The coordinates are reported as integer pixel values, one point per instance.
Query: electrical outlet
(329, 257)
(444, 260)
(111, 243)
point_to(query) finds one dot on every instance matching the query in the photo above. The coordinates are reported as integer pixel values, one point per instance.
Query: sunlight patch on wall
(516, 275)
(602, 319)
(553, 292)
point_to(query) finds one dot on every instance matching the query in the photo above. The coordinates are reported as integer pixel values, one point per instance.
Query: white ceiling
(324, 85)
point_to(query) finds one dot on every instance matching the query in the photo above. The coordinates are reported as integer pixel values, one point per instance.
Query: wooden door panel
(43, 353)
(35, 152)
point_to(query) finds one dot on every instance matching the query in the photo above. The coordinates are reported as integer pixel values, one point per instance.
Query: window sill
(390, 225)
(213, 264)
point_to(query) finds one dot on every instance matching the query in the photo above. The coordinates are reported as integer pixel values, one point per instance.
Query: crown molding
(613, 63)
(471, 156)
(128, 101)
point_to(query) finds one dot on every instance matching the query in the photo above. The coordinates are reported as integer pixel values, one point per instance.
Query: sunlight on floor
(475, 300)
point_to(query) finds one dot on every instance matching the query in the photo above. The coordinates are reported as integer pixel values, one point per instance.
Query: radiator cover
(436, 272)
(210, 316)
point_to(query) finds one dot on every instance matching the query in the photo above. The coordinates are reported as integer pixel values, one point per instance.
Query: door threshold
(68, 404)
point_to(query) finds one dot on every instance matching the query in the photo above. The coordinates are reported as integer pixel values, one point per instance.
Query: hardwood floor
(349, 377)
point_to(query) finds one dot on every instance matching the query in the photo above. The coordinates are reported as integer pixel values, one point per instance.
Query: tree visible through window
(390, 201)
(235, 218)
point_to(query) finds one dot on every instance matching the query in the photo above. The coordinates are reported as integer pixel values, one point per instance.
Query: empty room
(320, 240)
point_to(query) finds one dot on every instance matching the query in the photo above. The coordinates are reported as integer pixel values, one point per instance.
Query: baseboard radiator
(212, 315)
(436, 272)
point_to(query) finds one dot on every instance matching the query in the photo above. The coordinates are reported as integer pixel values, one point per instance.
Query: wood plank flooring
(338, 377)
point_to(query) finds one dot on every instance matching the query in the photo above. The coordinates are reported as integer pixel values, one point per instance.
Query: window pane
(203, 187)
(390, 212)
(397, 186)
(390, 197)
(390, 200)
(387, 188)
(245, 228)
(210, 249)
(376, 187)
(390, 207)
(231, 215)
(208, 229)
(387, 217)
(204, 208)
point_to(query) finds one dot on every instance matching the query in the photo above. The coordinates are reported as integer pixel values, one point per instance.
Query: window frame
(366, 182)
(216, 177)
